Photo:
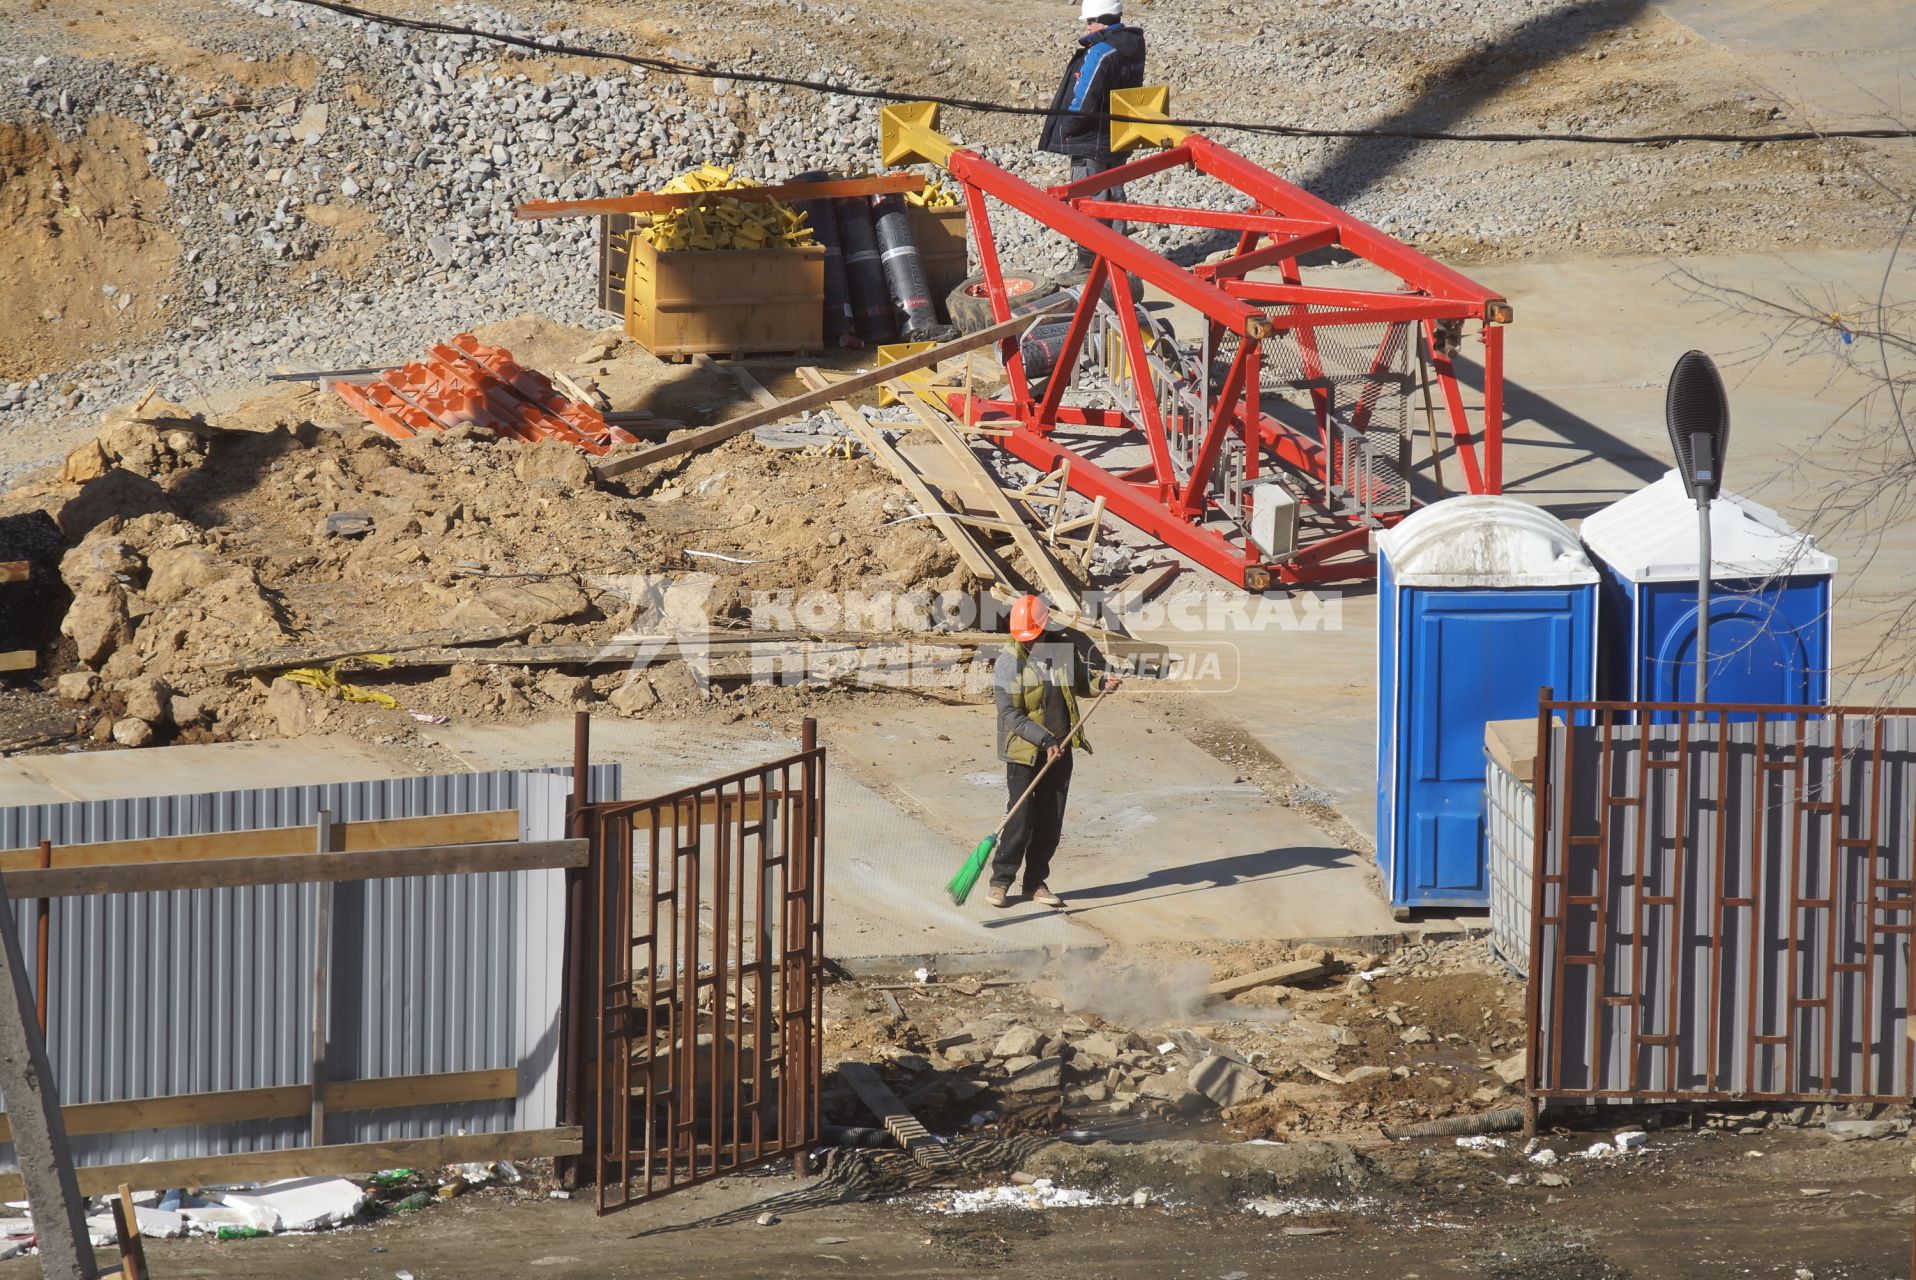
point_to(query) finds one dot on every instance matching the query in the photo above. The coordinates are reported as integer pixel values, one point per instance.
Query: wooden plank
(976, 558)
(820, 398)
(1051, 575)
(14, 570)
(328, 375)
(624, 654)
(296, 868)
(1144, 584)
(1051, 579)
(487, 1084)
(126, 1221)
(315, 656)
(1290, 973)
(19, 660)
(490, 827)
(283, 1102)
(750, 385)
(896, 1116)
(306, 1162)
(662, 202)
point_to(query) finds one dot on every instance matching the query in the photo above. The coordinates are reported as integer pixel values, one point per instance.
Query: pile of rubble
(1343, 1043)
(201, 549)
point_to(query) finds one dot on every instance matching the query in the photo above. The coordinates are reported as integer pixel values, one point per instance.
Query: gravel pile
(354, 221)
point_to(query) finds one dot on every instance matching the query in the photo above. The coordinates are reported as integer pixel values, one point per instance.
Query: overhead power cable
(669, 66)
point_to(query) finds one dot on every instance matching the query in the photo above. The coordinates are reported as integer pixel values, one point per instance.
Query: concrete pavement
(1586, 366)
(165, 771)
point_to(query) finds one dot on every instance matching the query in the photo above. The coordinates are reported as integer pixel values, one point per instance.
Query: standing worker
(1110, 56)
(1037, 684)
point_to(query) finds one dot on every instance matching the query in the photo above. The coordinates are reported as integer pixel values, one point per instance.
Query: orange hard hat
(1028, 617)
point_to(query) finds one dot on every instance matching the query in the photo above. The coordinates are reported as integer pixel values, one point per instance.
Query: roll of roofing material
(840, 328)
(905, 272)
(864, 270)
(1042, 347)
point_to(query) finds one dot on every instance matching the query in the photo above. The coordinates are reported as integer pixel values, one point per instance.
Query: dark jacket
(1109, 59)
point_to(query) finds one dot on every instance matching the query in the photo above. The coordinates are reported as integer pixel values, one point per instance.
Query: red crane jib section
(1281, 223)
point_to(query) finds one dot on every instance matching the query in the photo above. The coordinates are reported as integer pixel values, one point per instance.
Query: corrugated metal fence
(194, 991)
(1723, 907)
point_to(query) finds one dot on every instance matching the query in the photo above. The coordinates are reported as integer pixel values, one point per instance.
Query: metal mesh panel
(1365, 369)
(1371, 467)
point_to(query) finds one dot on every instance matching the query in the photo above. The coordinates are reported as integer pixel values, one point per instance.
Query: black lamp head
(1698, 415)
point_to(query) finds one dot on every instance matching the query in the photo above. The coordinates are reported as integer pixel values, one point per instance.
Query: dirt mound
(88, 249)
(201, 547)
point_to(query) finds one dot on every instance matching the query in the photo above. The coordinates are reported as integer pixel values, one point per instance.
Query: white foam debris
(208, 1219)
(1273, 1207)
(1482, 1142)
(1041, 1194)
(1544, 1156)
(301, 1204)
(156, 1224)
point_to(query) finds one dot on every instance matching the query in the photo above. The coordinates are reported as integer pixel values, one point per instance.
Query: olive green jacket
(1018, 683)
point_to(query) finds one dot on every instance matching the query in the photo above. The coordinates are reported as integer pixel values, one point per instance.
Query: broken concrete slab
(1040, 1073)
(1227, 1082)
(1098, 1049)
(1864, 1130)
(1017, 1042)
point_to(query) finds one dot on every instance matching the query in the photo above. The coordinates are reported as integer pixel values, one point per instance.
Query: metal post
(43, 920)
(39, 1131)
(1540, 781)
(575, 962)
(322, 983)
(1703, 574)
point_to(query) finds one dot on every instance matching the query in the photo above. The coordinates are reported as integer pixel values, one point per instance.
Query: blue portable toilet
(1481, 601)
(1769, 601)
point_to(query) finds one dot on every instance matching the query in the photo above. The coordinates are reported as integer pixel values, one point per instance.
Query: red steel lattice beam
(1188, 509)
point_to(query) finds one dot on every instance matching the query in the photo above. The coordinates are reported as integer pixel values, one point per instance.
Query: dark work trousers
(1084, 167)
(1031, 837)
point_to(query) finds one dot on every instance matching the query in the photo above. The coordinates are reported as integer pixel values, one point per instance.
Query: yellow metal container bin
(729, 301)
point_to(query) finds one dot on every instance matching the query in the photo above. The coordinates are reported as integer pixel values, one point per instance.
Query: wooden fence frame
(322, 854)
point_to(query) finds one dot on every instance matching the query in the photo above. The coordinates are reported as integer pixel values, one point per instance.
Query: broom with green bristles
(961, 885)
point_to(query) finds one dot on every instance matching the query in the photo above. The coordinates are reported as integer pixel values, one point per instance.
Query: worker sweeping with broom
(1037, 683)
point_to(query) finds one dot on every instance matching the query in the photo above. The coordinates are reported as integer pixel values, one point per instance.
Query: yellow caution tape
(719, 222)
(328, 681)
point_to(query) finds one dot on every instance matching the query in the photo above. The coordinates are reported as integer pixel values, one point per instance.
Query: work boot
(997, 896)
(1043, 896)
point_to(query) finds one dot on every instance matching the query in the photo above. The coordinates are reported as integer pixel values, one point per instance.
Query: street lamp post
(1698, 417)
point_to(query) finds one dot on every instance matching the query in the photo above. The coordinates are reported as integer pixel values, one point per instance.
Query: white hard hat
(1089, 9)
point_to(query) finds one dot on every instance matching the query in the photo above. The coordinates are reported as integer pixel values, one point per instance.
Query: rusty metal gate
(703, 955)
(1722, 906)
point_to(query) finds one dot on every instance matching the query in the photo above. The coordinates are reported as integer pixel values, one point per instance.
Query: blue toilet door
(1476, 656)
(1755, 656)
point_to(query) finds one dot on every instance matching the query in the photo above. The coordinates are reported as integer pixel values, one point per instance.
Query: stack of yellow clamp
(936, 195)
(719, 222)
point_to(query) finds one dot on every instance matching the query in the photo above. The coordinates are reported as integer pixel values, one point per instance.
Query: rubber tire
(971, 311)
